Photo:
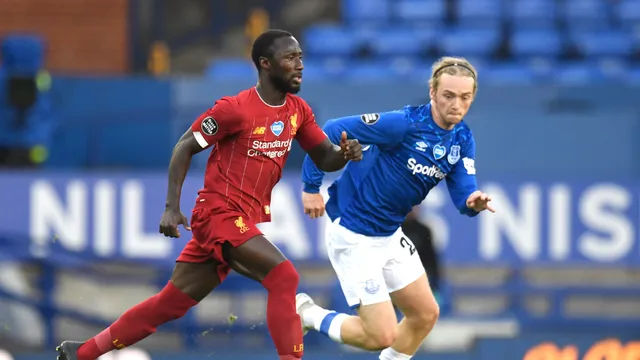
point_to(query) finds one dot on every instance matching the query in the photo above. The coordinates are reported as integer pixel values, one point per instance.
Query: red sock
(282, 319)
(138, 322)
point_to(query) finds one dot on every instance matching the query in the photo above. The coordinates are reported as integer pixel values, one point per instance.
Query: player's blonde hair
(456, 66)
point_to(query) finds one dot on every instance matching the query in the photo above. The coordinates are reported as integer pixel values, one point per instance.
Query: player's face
(286, 70)
(452, 98)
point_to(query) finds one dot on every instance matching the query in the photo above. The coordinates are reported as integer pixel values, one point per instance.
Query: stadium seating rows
(513, 40)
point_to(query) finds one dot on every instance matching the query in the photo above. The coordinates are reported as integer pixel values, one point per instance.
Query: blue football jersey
(405, 155)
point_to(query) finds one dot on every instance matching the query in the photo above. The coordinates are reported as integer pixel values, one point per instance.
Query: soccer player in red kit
(251, 135)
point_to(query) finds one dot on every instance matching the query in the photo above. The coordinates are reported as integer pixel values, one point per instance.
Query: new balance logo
(259, 130)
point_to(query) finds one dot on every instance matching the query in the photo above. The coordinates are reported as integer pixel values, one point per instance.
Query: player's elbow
(187, 145)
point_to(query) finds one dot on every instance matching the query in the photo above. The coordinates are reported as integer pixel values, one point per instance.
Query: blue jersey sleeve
(385, 130)
(311, 175)
(461, 182)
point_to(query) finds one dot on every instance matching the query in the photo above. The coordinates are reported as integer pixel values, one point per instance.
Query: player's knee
(171, 303)
(283, 277)
(425, 319)
(382, 338)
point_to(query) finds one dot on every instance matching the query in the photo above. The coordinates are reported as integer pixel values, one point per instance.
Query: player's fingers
(344, 137)
(354, 153)
(311, 212)
(491, 208)
(166, 231)
(174, 231)
(185, 223)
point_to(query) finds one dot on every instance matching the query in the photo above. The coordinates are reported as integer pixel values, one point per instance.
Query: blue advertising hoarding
(116, 216)
(552, 346)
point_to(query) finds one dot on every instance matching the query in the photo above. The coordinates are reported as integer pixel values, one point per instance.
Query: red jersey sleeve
(217, 123)
(309, 134)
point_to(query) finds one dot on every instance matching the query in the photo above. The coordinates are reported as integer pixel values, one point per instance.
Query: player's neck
(269, 94)
(438, 120)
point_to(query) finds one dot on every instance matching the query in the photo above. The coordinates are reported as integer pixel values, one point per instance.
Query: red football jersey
(251, 141)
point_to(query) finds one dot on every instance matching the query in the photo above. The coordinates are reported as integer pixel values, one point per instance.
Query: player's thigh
(254, 258)
(416, 301)
(196, 279)
(235, 242)
(407, 281)
(197, 272)
(358, 265)
(402, 265)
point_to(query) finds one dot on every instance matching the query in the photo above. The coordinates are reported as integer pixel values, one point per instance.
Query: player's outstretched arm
(329, 157)
(312, 176)
(320, 145)
(386, 130)
(184, 150)
(463, 186)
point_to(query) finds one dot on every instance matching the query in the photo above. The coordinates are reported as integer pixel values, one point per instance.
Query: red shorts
(212, 228)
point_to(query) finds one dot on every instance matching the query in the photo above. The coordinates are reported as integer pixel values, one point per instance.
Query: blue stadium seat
(414, 11)
(536, 43)
(369, 71)
(508, 73)
(532, 14)
(633, 77)
(470, 42)
(480, 12)
(360, 11)
(590, 72)
(323, 69)
(231, 69)
(330, 40)
(628, 13)
(586, 14)
(520, 72)
(399, 42)
(611, 43)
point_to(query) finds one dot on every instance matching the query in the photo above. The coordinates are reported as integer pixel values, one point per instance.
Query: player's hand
(170, 221)
(352, 149)
(313, 204)
(479, 201)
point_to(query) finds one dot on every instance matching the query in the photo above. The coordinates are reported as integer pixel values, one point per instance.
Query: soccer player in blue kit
(407, 153)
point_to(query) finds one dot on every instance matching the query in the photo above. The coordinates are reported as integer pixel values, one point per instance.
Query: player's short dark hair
(263, 45)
